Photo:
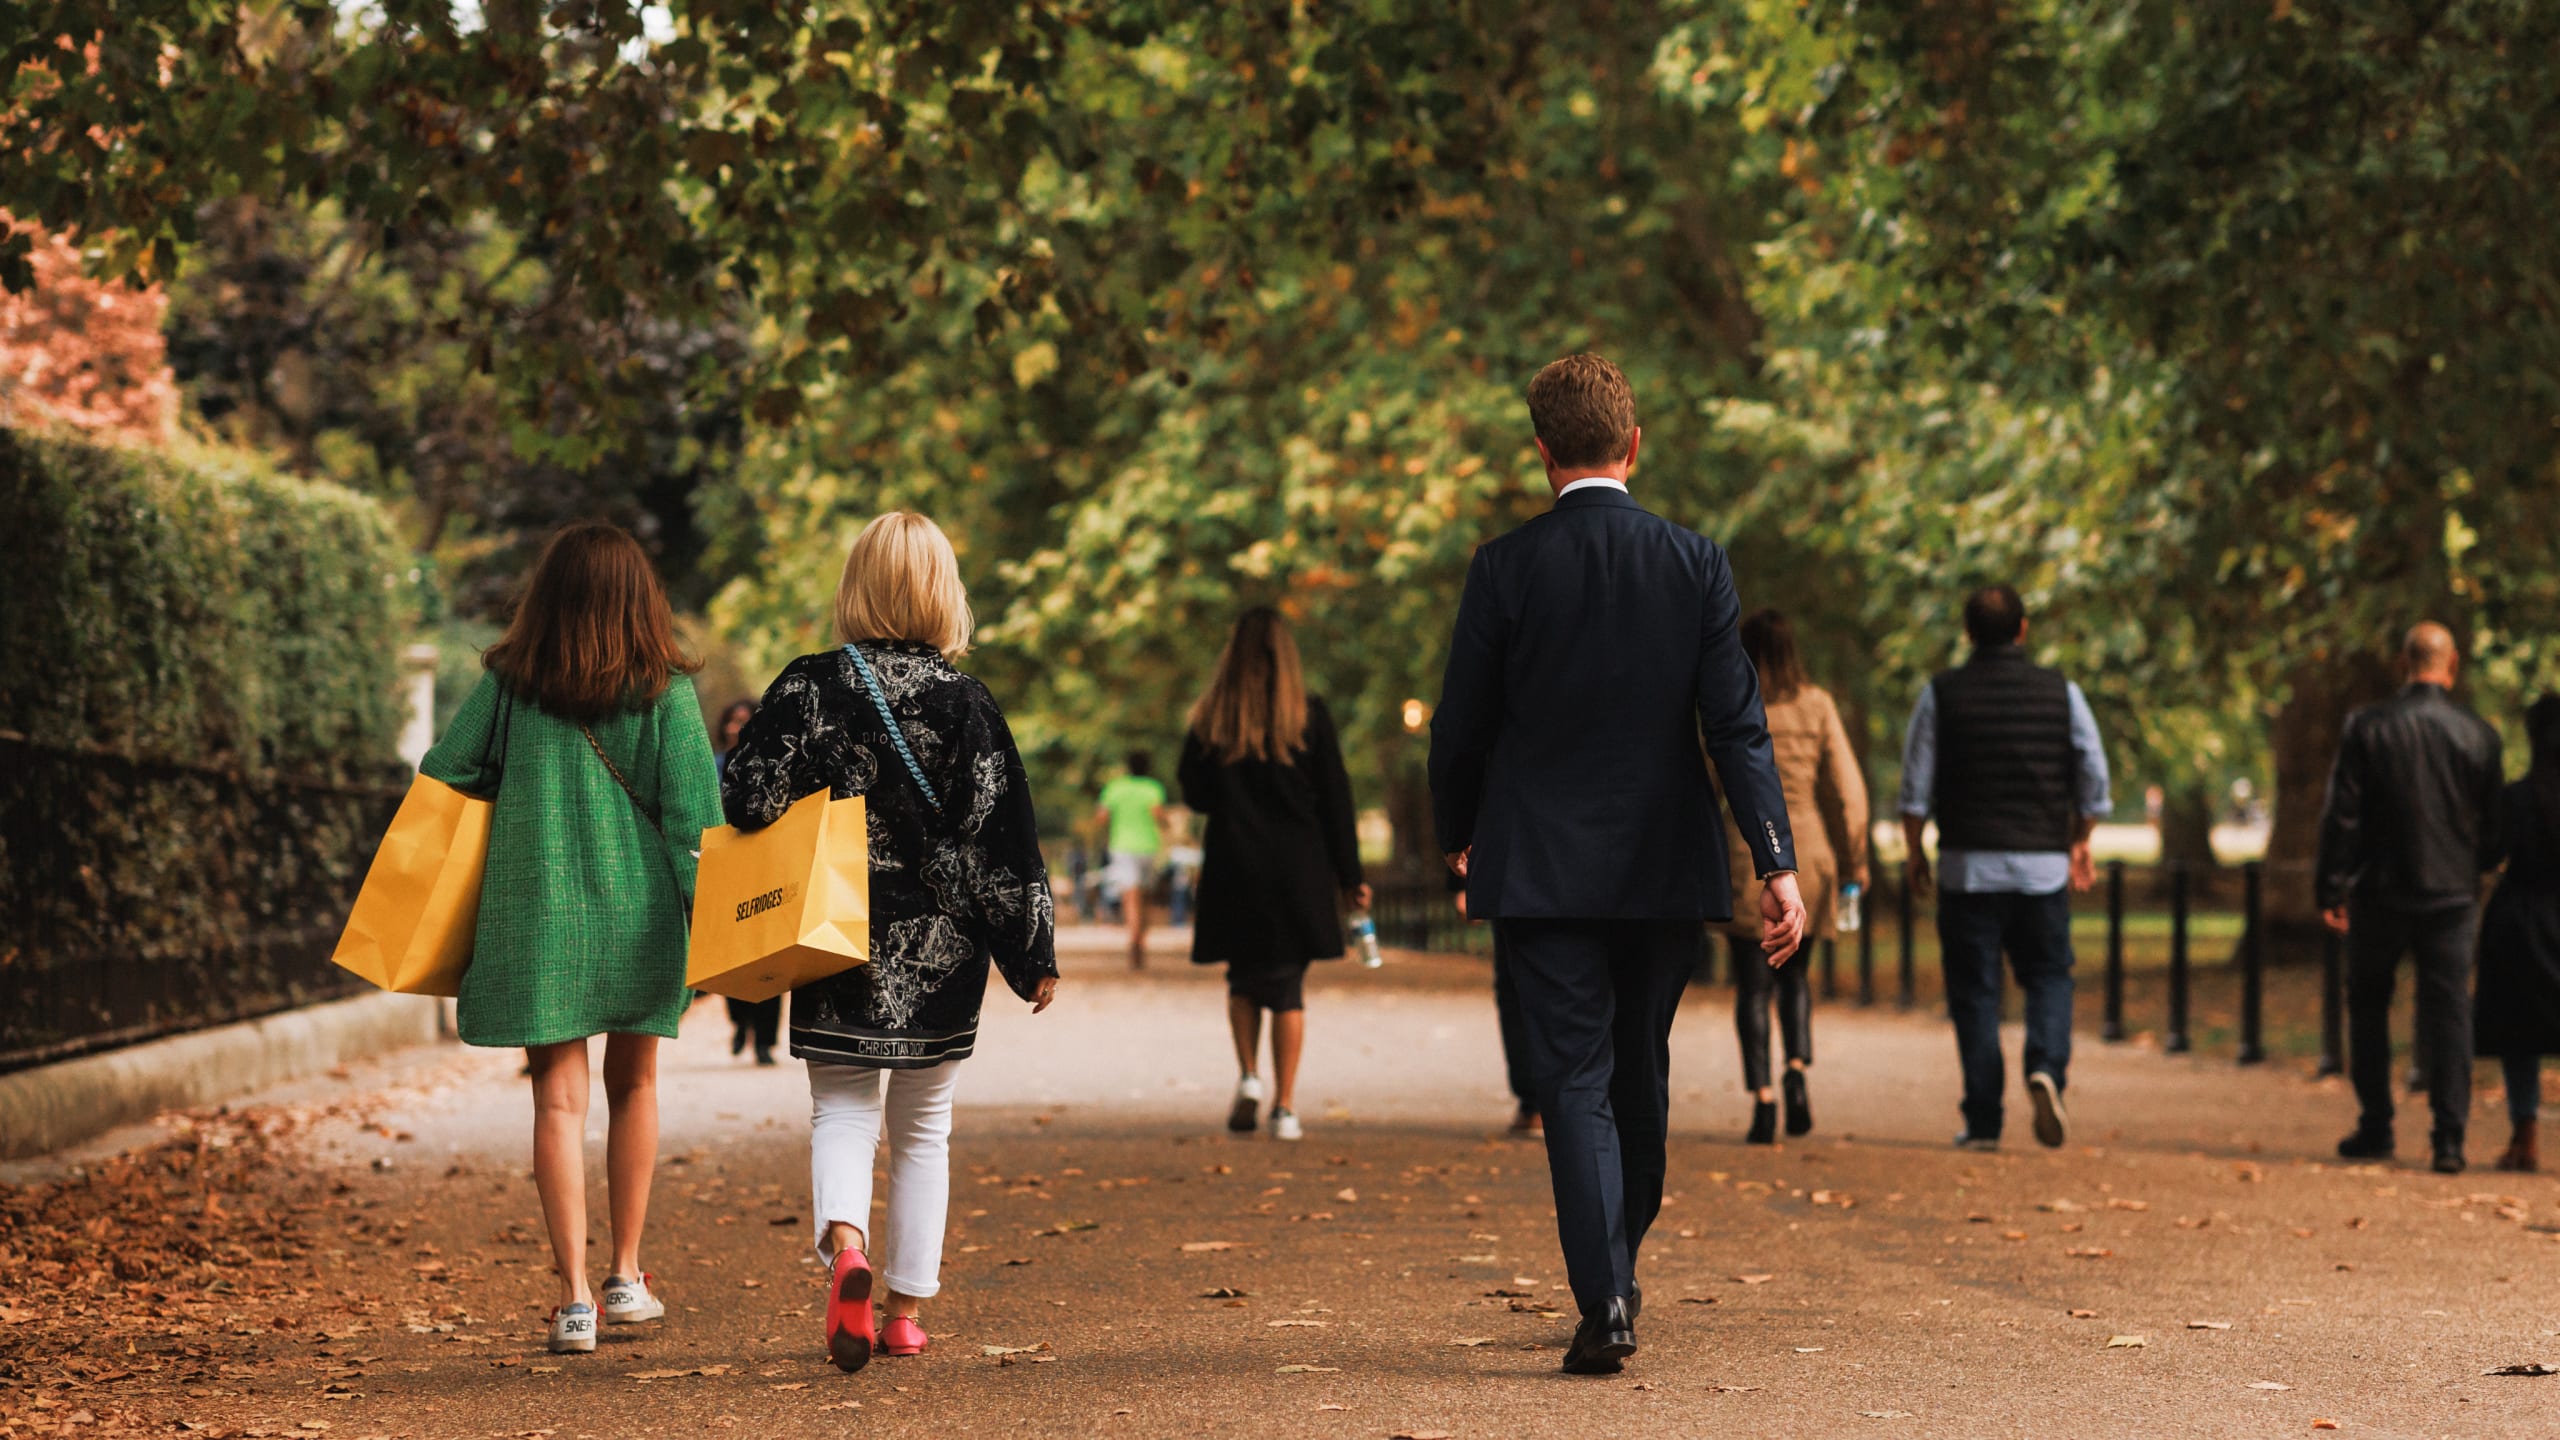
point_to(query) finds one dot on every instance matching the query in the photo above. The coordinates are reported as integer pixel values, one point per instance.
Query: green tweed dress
(582, 910)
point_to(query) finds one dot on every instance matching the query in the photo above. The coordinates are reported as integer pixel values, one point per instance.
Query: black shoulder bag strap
(655, 827)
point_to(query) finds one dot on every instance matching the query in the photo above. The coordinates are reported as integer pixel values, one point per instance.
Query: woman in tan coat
(1827, 806)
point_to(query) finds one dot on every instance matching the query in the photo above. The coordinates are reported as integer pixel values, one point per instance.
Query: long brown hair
(1771, 643)
(592, 634)
(1256, 705)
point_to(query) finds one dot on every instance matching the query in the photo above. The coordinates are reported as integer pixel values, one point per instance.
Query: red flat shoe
(849, 1332)
(902, 1336)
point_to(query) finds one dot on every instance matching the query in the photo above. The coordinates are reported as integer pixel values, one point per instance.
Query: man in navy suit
(1595, 668)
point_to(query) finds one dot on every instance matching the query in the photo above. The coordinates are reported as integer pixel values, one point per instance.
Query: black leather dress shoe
(2366, 1145)
(1635, 1302)
(2448, 1156)
(1603, 1341)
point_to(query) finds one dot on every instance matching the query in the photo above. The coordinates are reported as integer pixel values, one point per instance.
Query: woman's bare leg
(631, 1141)
(1245, 1019)
(1288, 1038)
(560, 1159)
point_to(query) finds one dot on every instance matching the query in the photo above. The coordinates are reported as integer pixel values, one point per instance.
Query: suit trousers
(1597, 999)
(1515, 1040)
(2440, 941)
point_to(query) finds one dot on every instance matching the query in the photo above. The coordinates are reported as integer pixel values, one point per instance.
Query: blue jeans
(2036, 931)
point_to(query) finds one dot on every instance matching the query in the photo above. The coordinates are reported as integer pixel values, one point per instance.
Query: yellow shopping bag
(776, 908)
(412, 925)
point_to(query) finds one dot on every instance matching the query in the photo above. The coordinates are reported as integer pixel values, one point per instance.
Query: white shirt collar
(1588, 481)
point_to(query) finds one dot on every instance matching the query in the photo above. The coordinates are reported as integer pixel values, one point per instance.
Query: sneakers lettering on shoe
(1285, 1126)
(573, 1330)
(631, 1302)
(2053, 1126)
(1245, 1112)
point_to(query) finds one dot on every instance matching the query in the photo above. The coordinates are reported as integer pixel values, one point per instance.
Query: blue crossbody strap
(897, 734)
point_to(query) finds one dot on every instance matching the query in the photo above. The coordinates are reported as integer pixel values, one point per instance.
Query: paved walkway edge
(53, 1106)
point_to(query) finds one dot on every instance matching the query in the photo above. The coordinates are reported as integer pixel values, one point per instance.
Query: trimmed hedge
(192, 605)
(198, 662)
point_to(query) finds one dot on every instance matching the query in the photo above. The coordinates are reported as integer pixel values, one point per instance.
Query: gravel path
(2189, 1266)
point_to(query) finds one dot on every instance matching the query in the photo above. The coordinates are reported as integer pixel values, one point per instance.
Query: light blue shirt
(2003, 872)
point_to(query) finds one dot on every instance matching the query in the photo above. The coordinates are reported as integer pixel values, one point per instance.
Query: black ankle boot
(1764, 1123)
(1799, 1104)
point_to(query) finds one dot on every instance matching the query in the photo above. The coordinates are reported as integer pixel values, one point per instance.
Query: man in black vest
(2409, 826)
(1595, 647)
(2006, 755)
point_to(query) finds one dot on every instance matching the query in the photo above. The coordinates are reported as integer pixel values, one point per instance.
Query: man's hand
(1458, 861)
(2335, 918)
(1781, 917)
(1047, 992)
(2084, 869)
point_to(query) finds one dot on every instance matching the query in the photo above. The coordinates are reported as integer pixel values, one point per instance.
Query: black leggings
(1752, 981)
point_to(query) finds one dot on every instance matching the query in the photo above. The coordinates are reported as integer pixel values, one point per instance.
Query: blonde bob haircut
(902, 582)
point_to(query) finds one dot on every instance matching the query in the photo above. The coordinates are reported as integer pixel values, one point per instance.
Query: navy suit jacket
(1596, 649)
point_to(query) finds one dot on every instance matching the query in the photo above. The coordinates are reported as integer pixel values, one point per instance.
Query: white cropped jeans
(852, 1110)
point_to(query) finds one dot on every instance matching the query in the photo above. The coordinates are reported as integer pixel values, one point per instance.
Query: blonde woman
(1263, 765)
(1827, 807)
(956, 881)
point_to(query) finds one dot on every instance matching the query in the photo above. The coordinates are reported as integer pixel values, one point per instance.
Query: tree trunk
(2305, 742)
(1412, 849)
(2186, 837)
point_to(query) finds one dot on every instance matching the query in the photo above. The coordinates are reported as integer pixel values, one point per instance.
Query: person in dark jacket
(1263, 766)
(2006, 755)
(957, 882)
(2517, 1014)
(1593, 670)
(756, 1020)
(2410, 825)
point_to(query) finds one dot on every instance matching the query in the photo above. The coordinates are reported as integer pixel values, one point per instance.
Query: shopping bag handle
(897, 733)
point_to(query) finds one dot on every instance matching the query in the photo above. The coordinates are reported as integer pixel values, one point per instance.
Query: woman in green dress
(586, 733)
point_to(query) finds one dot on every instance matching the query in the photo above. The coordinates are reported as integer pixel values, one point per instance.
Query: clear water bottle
(1365, 931)
(1852, 911)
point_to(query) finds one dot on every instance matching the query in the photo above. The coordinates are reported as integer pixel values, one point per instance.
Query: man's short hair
(1583, 411)
(1994, 615)
(1140, 763)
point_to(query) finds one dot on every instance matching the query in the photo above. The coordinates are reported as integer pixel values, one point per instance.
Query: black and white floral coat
(949, 891)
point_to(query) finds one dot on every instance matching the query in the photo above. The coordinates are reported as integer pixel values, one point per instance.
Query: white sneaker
(2052, 1124)
(630, 1302)
(1285, 1126)
(573, 1330)
(1248, 1105)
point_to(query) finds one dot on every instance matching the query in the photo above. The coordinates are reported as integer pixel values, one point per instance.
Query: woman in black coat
(1264, 766)
(2517, 1012)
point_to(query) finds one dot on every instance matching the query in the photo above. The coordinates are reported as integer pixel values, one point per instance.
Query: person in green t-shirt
(1133, 811)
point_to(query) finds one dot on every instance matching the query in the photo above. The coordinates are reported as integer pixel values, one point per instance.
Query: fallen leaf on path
(1755, 1279)
(2269, 1385)
(1202, 1247)
(1002, 1350)
(2532, 1369)
(1019, 1260)
(2089, 1252)
(1419, 1435)
(1474, 1259)
(1808, 1349)
(2128, 1342)
(675, 1374)
(1502, 1294)
(1329, 1405)
(2208, 1324)
(1888, 1414)
(1224, 1292)
(2324, 1424)
(794, 1385)
(1308, 1370)
(1733, 1389)
(1697, 1299)
(1286, 1324)
(2084, 1314)
(2128, 1204)
(542, 1369)
(1346, 1195)
(1470, 1342)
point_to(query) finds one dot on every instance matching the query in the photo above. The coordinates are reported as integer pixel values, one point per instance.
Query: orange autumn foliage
(83, 354)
